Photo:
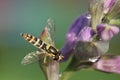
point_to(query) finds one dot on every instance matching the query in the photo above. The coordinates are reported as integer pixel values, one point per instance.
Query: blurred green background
(30, 16)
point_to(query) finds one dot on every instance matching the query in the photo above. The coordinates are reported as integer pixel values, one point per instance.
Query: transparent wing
(33, 57)
(48, 34)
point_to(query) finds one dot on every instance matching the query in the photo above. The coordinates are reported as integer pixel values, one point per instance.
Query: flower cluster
(88, 37)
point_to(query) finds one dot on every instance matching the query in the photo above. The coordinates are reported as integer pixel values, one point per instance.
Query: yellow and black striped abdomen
(33, 40)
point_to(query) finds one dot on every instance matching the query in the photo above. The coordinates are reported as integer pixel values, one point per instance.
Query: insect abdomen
(33, 40)
(39, 43)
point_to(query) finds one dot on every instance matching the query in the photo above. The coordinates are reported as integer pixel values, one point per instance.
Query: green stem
(50, 69)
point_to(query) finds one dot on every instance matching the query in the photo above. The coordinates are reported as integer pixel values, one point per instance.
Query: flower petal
(108, 4)
(115, 9)
(86, 34)
(106, 32)
(108, 64)
(77, 26)
(72, 34)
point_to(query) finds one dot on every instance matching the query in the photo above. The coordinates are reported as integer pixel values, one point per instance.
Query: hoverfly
(45, 45)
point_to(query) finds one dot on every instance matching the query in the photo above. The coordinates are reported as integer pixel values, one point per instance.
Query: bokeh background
(30, 16)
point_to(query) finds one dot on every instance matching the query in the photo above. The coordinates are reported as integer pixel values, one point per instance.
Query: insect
(38, 43)
(45, 45)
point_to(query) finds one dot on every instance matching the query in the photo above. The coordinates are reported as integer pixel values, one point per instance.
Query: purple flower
(86, 34)
(108, 4)
(73, 33)
(108, 64)
(77, 26)
(106, 31)
(88, 38)
(90, 28)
